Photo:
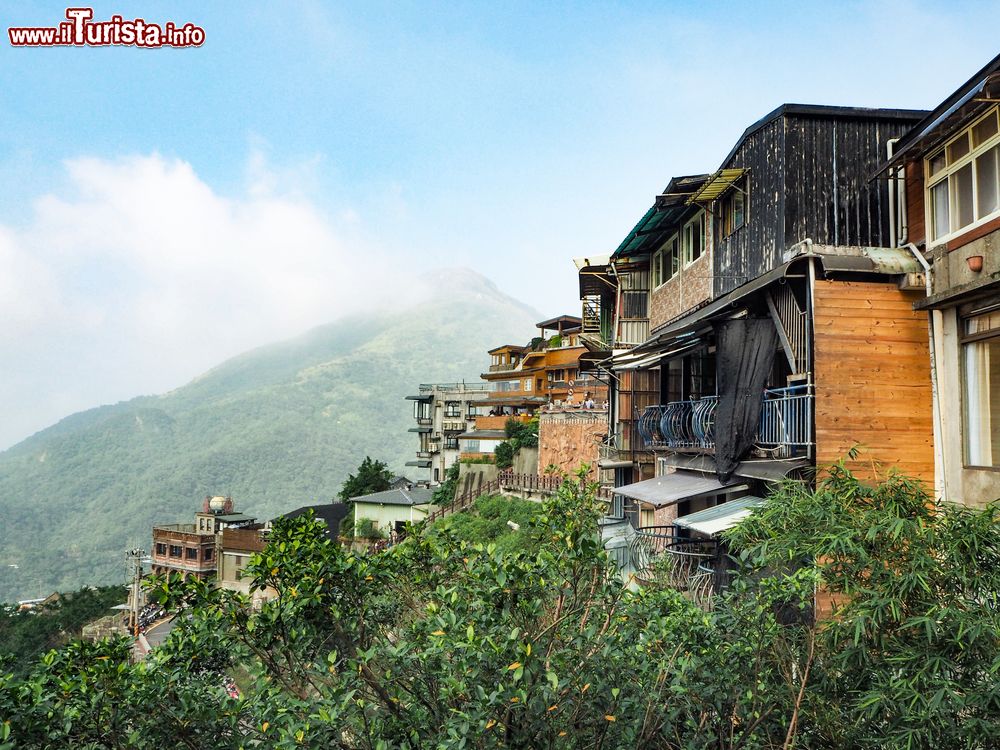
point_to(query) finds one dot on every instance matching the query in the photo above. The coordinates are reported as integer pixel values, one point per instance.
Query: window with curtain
(981, 389)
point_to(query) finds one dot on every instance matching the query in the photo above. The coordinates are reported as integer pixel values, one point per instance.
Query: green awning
(719, 518)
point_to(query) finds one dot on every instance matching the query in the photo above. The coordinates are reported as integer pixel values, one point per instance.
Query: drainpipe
(893, 202)
(934, 324)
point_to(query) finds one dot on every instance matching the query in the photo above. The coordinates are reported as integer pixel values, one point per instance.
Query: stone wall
(567, 439)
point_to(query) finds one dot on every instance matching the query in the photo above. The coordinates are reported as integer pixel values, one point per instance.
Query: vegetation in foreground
(442, 643)
(27, 634)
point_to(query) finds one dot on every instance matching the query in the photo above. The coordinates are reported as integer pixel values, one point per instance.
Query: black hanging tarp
(744, 355)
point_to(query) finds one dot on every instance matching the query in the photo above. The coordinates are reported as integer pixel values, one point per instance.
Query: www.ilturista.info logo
(80, 30)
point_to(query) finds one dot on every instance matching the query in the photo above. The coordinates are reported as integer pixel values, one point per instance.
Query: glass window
(981, 390)
(984, 130)
(958, 148)
(209, 552)
(939, 209)
(175, 550)
(161, 549)
(966, 186)
(987, 183)
(961, 198)
(192, 553)
(693, 239)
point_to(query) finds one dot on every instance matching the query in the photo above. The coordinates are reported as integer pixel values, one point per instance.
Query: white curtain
(978, 417)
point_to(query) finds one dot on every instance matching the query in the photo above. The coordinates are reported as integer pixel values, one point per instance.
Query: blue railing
(785, 422)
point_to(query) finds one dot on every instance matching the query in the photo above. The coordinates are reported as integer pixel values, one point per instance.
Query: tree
(443, 642)
(372, 476)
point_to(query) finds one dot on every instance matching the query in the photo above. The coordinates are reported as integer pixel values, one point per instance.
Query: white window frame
(932, 181)
(686, 248)
(662, 256)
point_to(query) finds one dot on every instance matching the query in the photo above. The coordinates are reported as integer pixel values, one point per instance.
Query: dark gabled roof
(829, 112)
(956, 110)
(662, 218)
(331, 513)
(403, 496)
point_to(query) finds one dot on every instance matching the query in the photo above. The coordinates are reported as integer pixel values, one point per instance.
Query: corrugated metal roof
(717, 519)
(401, 496)
(676, 487)
(716, 185)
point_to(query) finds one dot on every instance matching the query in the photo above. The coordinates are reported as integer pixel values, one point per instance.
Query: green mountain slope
(276, 428)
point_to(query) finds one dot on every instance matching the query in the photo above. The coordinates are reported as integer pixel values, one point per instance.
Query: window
(453, 409)
(208, 553)
(665, 262)
(733, 209)
(981, 389)
(963, 179)
(470, 446)
(191, 553)
(694, 239)
(527, 384)
(175, 550)
(506, 385)
(161, 549)
(451, 443)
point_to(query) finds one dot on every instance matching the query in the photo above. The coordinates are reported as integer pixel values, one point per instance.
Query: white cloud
(139, 276)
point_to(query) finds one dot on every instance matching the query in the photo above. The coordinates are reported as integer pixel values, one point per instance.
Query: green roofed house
(390, 510)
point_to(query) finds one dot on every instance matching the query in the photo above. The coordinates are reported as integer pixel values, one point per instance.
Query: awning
(970, 101)
(716, 185)
(590, 361)
(768, 470)
(419, 429)
(423, 463)
(719, 518)
(483, 435)
(421, 397)
(662, 218)
(677, 487)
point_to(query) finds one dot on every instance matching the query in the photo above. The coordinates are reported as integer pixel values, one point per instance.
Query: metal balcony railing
(659, 553)
(786, 423)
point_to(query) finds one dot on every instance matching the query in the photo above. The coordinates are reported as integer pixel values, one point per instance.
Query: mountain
(277, 428)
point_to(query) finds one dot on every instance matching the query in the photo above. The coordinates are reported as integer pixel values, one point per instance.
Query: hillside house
(945, 174)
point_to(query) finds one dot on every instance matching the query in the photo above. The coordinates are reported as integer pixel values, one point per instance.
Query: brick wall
(691, 287)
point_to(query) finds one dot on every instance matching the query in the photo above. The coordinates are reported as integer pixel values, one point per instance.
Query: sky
(164, 209)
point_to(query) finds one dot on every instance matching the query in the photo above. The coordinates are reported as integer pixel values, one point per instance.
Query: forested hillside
(276, 428)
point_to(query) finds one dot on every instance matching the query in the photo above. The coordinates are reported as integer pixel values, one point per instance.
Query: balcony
(785, 423)
(507, 367)
(692, 566)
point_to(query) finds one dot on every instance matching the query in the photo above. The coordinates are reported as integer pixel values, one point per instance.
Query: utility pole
(133, 559)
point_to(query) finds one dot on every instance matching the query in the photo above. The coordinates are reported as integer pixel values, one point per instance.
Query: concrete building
(391, 510)
(442, 412)
(945, 178)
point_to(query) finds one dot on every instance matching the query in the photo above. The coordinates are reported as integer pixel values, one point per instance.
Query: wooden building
(782, 332)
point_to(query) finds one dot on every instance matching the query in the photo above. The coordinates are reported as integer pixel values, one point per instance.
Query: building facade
(945, 174)
(191, 548)
(442, 412)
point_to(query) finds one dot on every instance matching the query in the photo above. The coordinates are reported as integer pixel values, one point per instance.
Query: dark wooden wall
(810, 178)
(830, 197)
(753, 249)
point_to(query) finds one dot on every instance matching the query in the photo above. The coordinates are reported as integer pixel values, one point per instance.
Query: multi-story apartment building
(442, 412)
(545, 373)
(945, 178)
(191, 548)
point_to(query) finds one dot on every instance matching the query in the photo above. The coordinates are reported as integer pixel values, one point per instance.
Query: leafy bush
(445, 642)
(503, 455)
(372, 476)
(366, 528)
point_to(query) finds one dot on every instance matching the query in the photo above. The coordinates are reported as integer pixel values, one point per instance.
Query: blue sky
(163, 209)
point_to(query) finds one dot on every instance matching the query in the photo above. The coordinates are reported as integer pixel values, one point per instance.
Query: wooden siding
(809, 178)
(830, 197)
(916, 231)
(755, 248)
(872, 375)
